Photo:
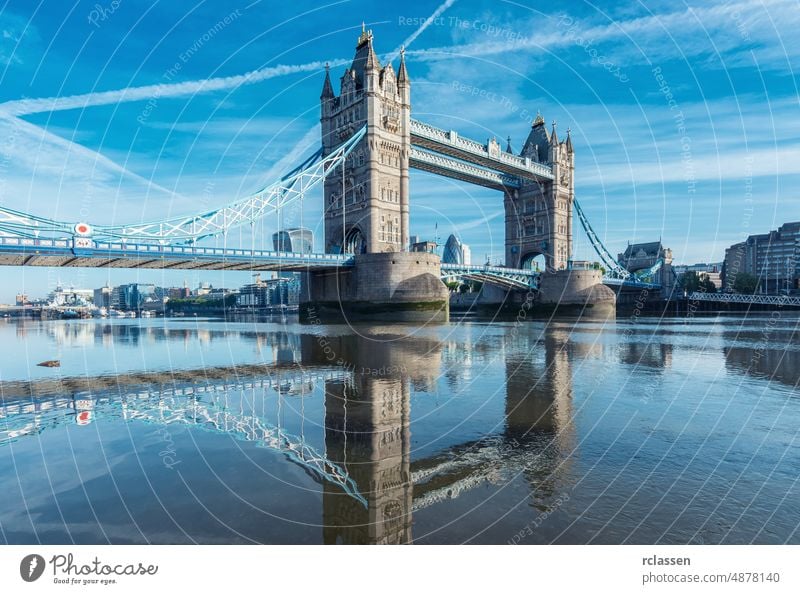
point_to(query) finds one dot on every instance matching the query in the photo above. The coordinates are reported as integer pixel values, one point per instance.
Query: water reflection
(370, 487)
(654, 354)
(781, 365)
(388, 432)
(765, 347)
(133, 332)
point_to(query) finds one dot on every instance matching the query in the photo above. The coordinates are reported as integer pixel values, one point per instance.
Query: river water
(187, 430)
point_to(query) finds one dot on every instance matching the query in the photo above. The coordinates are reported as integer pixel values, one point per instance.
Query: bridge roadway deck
(16, 251)
(19, 251)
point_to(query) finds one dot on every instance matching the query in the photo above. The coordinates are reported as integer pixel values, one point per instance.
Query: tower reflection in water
(367, 418)
(367, 431)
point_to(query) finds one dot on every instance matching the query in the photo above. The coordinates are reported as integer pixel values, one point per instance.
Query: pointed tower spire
(327, 87)
(569, 140)
(537, 144)
(402, 75)
(372, 62)
(553, 135)
(508, 146)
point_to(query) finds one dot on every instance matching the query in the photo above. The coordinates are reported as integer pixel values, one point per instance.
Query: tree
(706, 284)
(745, 283)
(690, 281)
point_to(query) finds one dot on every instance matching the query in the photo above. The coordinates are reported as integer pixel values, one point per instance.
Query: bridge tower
(367, 211)
(539, 214)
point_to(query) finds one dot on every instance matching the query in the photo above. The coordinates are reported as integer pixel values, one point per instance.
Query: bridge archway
(533, 261)
(355, 242)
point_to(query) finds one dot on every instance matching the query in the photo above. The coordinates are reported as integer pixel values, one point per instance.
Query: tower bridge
(369, 142)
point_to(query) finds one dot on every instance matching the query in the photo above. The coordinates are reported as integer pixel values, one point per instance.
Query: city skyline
(694, 135)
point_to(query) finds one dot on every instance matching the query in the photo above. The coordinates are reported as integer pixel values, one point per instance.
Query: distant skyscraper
(102, 297)
(298, 240)
(131, 296)
(456, 252)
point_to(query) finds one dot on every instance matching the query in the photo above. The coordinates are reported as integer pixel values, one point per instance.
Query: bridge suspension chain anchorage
(191, 229)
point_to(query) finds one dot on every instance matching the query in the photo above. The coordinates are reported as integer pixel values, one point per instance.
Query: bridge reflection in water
(372, 482)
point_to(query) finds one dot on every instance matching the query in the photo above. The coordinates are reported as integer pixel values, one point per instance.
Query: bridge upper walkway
(488, 156)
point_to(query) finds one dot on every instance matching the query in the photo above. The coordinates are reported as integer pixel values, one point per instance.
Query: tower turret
(327, 87)
(403, 82)
(367, 210)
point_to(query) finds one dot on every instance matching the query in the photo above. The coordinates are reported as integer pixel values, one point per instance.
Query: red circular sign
(83, 229)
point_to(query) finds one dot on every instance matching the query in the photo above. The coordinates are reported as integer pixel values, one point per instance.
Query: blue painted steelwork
(24, 251)
(193, 228)
(616, 274)
(202, 405)
(512, 278)
(629, 282)
(489, 156)
(779, 300)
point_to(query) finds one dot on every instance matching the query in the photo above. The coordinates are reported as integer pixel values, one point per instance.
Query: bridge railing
(28, 242)
(781, 300)
(155, 249)
(487, 268)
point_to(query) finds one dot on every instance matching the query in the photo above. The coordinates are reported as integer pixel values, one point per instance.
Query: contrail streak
(20, 107)
(436, 13)
(130, 94)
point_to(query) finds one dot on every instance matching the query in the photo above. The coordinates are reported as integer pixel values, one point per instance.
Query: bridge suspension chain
(613, 268)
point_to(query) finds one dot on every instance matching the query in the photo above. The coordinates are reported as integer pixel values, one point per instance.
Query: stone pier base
(388, 287)
(575, 291)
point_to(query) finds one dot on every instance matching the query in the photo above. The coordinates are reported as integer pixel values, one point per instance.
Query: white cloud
(53, 177)
(17, 38)
(734, 28)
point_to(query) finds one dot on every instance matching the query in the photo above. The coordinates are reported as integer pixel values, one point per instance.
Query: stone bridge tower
(539, 214)
(367, 211)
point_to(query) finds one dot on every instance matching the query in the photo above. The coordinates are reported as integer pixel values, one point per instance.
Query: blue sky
(98, 123)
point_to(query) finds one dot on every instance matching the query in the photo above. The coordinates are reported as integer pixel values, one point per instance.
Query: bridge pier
(388, 287)
(575, 290)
